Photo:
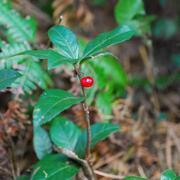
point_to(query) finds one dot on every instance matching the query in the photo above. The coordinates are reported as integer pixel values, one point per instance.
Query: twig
(168, 151)
(108, 160)
(34, 172)
(141, 171)
(175, 138)
(148, 60)
(87, 169)
(107, 175)
(86, 110)
(5, 171)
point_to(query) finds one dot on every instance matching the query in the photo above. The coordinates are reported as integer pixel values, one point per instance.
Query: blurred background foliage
(137, 86)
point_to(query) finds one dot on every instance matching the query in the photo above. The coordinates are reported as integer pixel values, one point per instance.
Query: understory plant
(62, 147)
(61, 135)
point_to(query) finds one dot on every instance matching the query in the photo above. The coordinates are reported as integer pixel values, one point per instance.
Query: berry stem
(87, 117)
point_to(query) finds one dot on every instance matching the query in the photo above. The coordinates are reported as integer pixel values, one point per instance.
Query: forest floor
(148, 141)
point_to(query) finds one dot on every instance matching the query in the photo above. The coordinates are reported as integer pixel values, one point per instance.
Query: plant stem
(86, 111)
(109, 176)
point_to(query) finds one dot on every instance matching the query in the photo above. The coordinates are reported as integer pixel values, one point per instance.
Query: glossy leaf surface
(64, 133)
(52, 167)
(65, 41)
(51, 103)
(42, 143)
(168, 175)
(103, 40)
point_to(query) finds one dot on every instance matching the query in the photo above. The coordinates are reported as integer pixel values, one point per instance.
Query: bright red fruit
(87, 81)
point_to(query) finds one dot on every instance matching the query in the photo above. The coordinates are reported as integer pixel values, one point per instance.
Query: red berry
(87, 81)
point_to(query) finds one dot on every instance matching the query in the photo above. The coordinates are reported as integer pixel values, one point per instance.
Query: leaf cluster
(18, 35)
(132, 12)
(60, 131)
(67, 49)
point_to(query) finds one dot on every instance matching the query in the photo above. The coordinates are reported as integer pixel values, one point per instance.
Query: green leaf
(103, 70)
(10, 52)
(168, 175)
(42, 143)
(65, 41)
(116, 36)
(51, 103)
(134, 178)
(32, 76)
(54, 167)
(7, 77)
(32, 73)
(19, 33)
(64, 133)
(125, 10)
(54, 59)
(103, 103)
(99, 131)
(18, 28)
(141, 25)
